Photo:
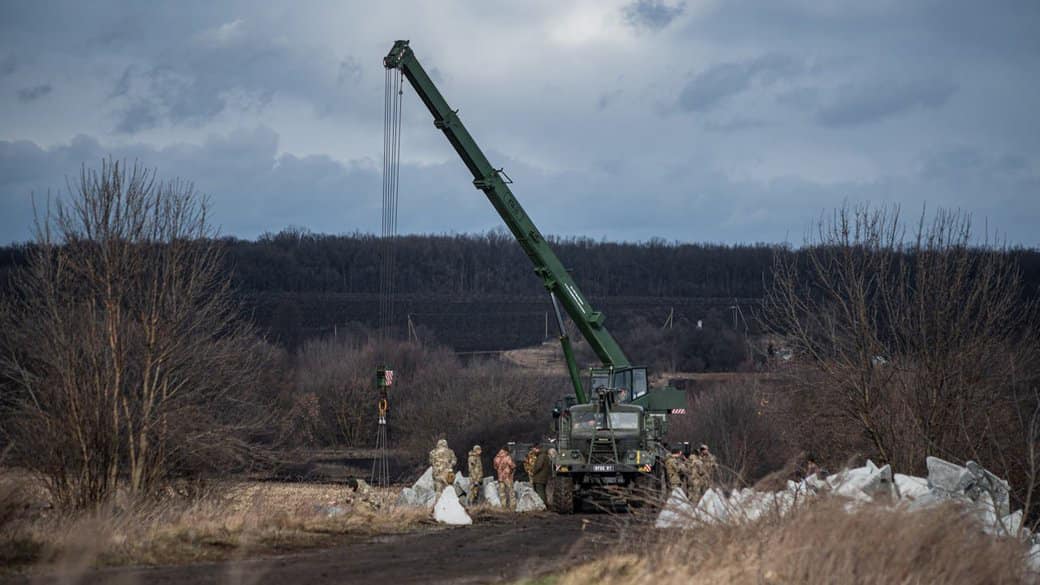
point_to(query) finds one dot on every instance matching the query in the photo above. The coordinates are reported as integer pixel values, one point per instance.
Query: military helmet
(476, 448)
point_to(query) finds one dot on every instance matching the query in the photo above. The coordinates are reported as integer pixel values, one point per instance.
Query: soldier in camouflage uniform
(673, 468)
(701, 474)
(476, 473)
(711, 466)
(529, 462)
(504, 468)
(442, 460)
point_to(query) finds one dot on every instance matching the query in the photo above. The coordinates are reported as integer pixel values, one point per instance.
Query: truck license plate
(602, 468)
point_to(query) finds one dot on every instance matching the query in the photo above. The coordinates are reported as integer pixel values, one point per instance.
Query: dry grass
(821, 544)
(232, 521)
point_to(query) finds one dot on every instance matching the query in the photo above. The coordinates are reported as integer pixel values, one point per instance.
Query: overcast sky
(725, 121)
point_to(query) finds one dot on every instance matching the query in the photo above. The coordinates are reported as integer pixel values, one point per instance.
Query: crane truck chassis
(609, 434)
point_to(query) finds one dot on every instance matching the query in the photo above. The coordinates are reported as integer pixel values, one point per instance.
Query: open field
(212, 523)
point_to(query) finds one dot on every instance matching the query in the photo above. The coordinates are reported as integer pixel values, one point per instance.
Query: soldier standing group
(697, 471)
(442, 462)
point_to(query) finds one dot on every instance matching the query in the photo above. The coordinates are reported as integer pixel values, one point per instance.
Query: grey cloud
(122, 86)
(720, 82)
(349, 72)
(865, 103)
(735, 124)
(201, 78)
(652, 14)
(606, 98)
(969, 163)
(252, 188)
(31, 94)
(138, 116)
(8, 65)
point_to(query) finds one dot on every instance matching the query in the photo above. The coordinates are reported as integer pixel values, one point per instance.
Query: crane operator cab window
(631, 383)
(587, 423)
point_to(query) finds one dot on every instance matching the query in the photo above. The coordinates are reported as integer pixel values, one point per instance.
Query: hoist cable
(393, 91)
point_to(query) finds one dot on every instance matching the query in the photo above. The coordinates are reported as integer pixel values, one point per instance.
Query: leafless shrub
(737, 421)
(434, 395)
(121, 345)
(909, 342)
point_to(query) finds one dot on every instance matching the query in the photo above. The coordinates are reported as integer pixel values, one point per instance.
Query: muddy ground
(496, 549)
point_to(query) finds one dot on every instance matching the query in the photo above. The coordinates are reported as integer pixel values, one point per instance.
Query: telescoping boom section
(564, 291)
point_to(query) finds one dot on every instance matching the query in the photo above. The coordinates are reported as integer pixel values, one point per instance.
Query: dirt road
(493, 550)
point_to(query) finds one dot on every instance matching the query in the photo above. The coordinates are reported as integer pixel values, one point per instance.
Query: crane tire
(563, 495)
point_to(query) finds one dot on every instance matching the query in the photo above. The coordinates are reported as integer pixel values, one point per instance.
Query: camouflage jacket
(529, 463)
(695, 469)
(673, 470)
(442, 460)
(710, 466)
(504, 466)
(476, 466)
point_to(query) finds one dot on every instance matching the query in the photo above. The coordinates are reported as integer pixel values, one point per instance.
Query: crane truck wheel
(563, 495)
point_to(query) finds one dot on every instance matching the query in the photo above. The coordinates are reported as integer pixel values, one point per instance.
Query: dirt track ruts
(493, 550)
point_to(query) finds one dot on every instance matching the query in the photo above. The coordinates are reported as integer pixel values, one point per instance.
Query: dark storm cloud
(872, 102)
(31, 94)
(652, 14)
(252, 188)
(794, 106)
(718, 83)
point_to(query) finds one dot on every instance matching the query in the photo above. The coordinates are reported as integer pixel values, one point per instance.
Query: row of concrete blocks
(423, 494)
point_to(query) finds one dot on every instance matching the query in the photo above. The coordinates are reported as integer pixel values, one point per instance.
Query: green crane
(616, 370)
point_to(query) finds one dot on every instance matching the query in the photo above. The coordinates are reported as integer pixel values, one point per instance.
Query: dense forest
(478, 292)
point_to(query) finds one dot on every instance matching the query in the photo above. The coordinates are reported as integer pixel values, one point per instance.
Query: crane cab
(630, 382)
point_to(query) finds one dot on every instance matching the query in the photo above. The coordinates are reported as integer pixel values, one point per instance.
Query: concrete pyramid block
(448, 509)
(490, 492)
(527, 499)
(408, 498)
(425, 481)
(712, 507)
(677, 512)
(910, 487)
(947, 477)
(462, 483)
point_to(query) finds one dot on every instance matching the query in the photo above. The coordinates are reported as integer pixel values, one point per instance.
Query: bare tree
(121, 346)
(918, 339)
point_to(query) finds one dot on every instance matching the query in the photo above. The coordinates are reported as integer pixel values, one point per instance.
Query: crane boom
(495, 185)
